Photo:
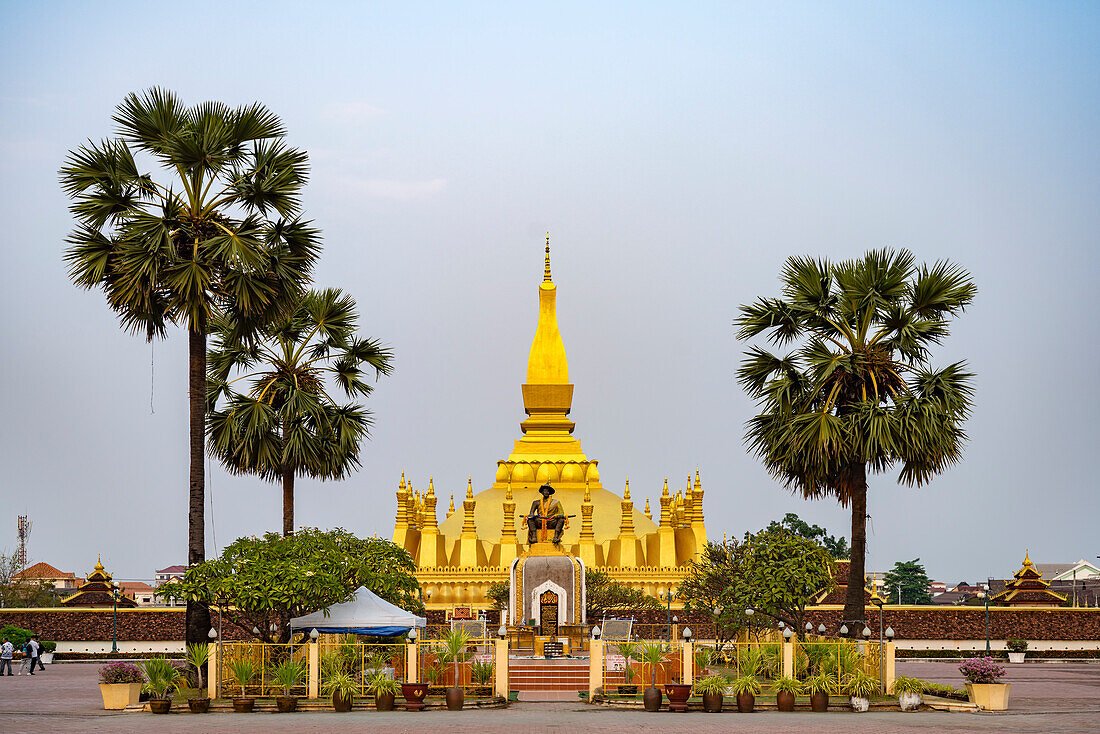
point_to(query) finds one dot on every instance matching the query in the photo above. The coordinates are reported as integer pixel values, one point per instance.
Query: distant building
(167, 576)
(140, 592)
(97, 591)
(1079, 571)
(937, 587)
(1027, 589)
(63, 581)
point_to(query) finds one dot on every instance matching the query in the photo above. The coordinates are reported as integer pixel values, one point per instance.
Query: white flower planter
(909, 701)
(1016, 657)
(47, 658)
(859, 705)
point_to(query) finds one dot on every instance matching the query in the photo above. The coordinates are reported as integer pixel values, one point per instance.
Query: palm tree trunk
(198, 615)
(853, 601)
(288, 502)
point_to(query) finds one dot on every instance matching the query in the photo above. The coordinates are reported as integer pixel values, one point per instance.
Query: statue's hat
(546, 487)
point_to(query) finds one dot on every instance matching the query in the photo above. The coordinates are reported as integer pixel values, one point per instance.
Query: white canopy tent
(365, 614)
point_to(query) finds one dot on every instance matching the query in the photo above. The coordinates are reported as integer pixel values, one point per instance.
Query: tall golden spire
(546, 270)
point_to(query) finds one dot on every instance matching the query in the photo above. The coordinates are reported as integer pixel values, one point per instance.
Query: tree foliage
(289, 421)
(836, 545)
(604, 596)
(774, 572)
(910, 578)
(858, 392)
(268, 580)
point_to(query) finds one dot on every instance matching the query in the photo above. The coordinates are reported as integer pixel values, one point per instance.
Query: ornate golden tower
(459, 557)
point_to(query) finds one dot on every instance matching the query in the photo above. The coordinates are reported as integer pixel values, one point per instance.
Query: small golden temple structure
(475, 545)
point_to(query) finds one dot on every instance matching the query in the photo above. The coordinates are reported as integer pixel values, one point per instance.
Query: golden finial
(402, 484)
(723, 538)
(664, 492)
(626, 495)
(1027, 558)
(470, 488)
(508, 491)
(451, 511)
(697, 482)
(647, 511)
(431, 487)
(546, 271)
(587, 491)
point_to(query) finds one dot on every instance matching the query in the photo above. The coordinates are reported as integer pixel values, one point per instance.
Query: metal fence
(471, 668)
(262, 658)
(362, 660)
(626, 670)
(834, 658)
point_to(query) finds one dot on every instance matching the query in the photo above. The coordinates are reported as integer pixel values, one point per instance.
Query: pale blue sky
(678, 152)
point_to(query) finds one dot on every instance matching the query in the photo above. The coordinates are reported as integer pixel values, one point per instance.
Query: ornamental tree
(908, 583)
(859, 392)
(260, 582)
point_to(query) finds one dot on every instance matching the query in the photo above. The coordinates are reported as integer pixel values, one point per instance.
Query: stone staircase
(539, 679)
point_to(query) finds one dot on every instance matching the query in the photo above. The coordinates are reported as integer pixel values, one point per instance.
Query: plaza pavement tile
(1045, 698)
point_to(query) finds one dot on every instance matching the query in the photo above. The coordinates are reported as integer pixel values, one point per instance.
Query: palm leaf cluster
(857, 390)
(274, 395)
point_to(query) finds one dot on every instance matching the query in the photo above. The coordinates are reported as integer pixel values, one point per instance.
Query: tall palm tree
(217, 232)
(858, 392)
(288, 424)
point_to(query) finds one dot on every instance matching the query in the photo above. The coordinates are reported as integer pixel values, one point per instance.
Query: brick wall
(89, 625)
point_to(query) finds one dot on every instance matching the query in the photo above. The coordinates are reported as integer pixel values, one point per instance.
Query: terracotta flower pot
(745, 702)
(160, 705)
(243, 705)
(341, 703)
(819, 702)
(383, 701)
(712, 703)
(413, 694)
(455, 699)
(784, 700)
(678, 695)
(651, 699)
(286, 704)
(198, 705)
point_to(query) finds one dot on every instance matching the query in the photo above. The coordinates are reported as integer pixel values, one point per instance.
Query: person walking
(37, 654)
(32, 652)
(26, 661)
(6, 650)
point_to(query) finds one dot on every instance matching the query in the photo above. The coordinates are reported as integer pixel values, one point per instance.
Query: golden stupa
(459, 557)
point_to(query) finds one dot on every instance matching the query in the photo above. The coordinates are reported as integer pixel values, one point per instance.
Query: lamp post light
(675, 621)
(502, 632)
(114, 622)
(596, 632)
(878, 602)
(787, 634)
(985, 595)
(821, 628)
(843, 630)
(667, 596)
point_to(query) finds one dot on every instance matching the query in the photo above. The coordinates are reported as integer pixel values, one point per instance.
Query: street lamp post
(114, 623)
(878, 601)
(667, 596)
(985, 595)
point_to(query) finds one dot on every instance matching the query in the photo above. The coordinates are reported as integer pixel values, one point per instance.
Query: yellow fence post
(314, 670)
(689, 662)
(788, 658)
(212, 669)
(501, 680)
(595, 667)
(412, 675)
(890, 673)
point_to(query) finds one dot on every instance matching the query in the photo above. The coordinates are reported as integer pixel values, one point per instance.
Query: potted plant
(819, 686)
(786, 688)
(746, 687)
(678, 694)
(981, 676)
(120, 684)
(859, 686)
(414, 693)
(342, 687)
(197, 655)
(711, 689)
(909, 692)
(161, 679)
(482, 675)
(629, 651)
(47, 651)
(454, 644)
(652, 654)
(243, 670)
(384, 689)
(287, 675)
(1017, 650)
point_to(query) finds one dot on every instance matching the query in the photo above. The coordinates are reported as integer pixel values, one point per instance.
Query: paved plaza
(1051, 697)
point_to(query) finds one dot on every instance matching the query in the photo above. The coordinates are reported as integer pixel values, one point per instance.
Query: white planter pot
(859, 705)
(1016, 657)
(909, 701)
(47, 658)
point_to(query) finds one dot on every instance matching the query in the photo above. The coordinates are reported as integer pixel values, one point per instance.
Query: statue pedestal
(546, 584)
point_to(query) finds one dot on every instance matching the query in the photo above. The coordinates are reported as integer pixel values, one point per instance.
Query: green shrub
(288, 674)
(712, 684)
(902, 684)
(821, 683)
(746, 684)
(786, 684)
(1016, 645)
(860, 684)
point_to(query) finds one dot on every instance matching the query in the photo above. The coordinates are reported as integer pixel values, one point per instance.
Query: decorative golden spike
(451, 510)
(431, 487)
(626, 495)
(664, 492)
(647, 511)
(470, 488)
(546, 271)
(402, 484)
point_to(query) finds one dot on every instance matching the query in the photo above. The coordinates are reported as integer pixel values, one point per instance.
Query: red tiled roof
(131, 586)
(43, 570)
(173, 569)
